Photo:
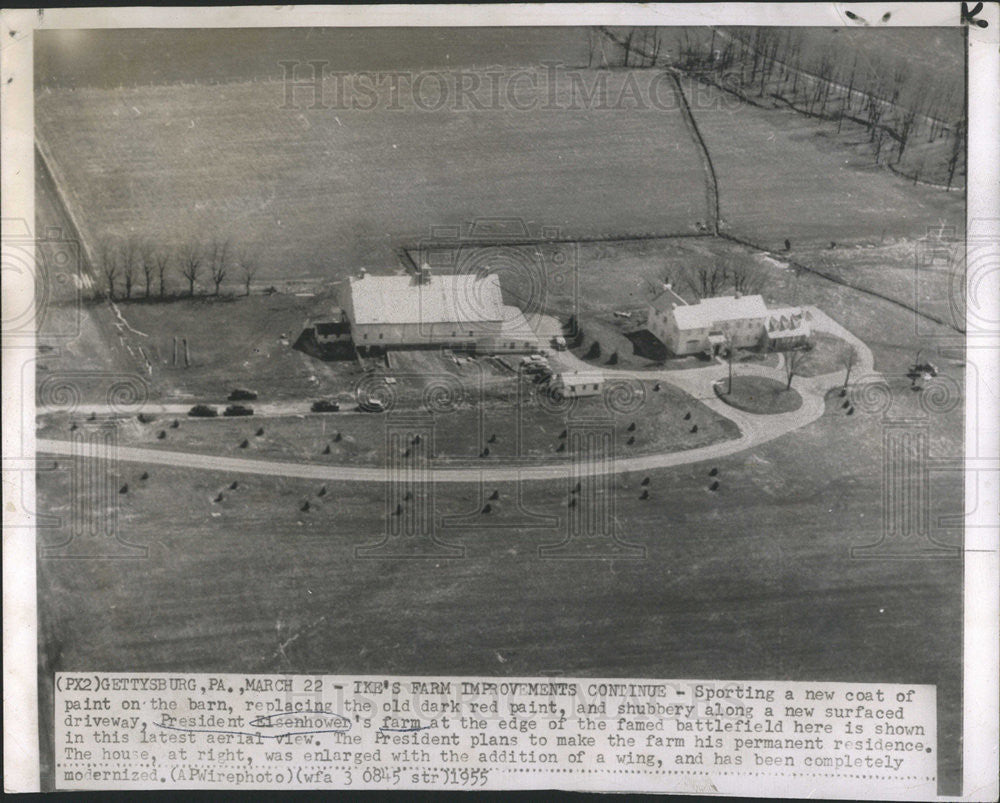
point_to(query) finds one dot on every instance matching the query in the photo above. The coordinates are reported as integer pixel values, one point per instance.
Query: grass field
(462, 432)
(321, 191)
(735, 584)
(781, 175)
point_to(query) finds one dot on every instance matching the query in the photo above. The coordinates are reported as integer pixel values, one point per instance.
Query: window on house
(595, 387)
(380, 336)
(365, 337)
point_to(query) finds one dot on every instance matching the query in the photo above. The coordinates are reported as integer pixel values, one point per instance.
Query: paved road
(754, 430)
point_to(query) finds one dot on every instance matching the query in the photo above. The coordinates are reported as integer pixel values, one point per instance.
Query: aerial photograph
(615, 352)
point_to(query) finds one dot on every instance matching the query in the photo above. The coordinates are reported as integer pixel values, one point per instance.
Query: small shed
(574, 384)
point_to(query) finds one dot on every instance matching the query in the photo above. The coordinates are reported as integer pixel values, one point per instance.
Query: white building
(424, 310)
(575, 384)
(709, 325)
(786, 327)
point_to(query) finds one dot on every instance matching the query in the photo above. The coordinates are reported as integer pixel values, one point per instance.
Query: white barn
(461, 311)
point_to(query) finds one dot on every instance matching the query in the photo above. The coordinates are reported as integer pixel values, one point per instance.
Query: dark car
(242, 394)
(203, 411)
(325, 406)
(238, 409)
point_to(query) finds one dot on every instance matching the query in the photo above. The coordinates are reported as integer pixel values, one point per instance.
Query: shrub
(594, 352)
(613, 359)
(203, 411)
(324, 406)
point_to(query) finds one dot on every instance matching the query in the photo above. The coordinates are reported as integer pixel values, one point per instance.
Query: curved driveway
(754, 430)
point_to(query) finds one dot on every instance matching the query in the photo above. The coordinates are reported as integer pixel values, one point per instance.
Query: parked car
(325, 406)
(203, 411)
(242, 394)
(238, 409)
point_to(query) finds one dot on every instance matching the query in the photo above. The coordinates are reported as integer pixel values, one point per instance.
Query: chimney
(362, 273)
(424, 276)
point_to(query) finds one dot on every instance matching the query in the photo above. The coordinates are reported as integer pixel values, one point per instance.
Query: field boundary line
(711, 179)
(611, 238)
(844, 283)
(706, 78)
(48, 162)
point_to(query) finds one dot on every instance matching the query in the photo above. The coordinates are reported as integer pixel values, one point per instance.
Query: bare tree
(906, 124)
(746, 275)
(129, 262)
(627, 45)
(706, 279)
(191, 264)
(730, 356)
(795, 361)
(217, 261)
(162, 260)
(108, 255)
(848, 358)
(147, 263)
(248, 269)
(957, 145)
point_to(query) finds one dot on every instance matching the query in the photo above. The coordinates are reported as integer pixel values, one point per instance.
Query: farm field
(781, 175)
(110, 58)
(734, 584)
(324, 191)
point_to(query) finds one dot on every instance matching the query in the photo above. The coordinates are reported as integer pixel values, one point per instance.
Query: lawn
(235, 341)
(758, 395)
(318, 192)
(828, 355)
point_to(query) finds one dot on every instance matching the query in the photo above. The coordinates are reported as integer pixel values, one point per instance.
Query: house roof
(787, 322)
(720, 308)
(581, 377)
(460, 299)
(667, 300)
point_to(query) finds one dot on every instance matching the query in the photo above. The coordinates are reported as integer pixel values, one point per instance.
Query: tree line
(132, 264)
(896, 105)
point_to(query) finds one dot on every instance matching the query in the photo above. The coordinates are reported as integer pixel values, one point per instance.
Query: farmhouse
(576, 384)
(424, 310)
(709, 325)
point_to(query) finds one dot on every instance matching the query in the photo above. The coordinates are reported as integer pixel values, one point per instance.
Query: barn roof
(458, 299)
(720, 308)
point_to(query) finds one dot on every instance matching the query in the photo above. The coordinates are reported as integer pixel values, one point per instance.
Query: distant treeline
(899, 107)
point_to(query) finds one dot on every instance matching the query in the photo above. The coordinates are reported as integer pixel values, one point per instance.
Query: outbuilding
(575, 384)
